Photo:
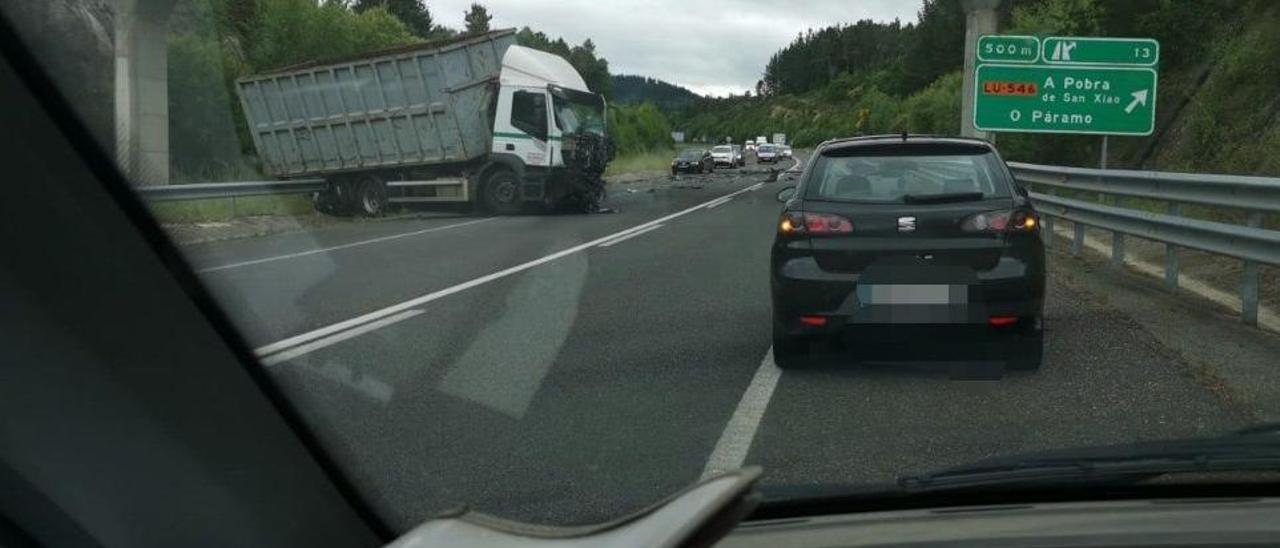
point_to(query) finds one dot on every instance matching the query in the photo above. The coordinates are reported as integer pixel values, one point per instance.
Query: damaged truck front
(476, 120)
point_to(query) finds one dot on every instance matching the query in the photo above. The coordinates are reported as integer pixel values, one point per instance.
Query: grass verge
(223, 209)
(651, 161)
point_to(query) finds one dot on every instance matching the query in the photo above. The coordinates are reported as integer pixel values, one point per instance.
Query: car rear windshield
(691, 155)
(766, 148)
(879, 175)
(722, 149)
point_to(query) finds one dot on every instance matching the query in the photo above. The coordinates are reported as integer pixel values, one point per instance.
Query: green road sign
(1008, 49)
(1068, 50)
(1065, 99)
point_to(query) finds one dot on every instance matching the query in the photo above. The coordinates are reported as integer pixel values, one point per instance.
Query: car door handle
(510, 146)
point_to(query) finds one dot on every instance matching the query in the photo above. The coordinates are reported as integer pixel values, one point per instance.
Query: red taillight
(1001, 321)
(1006, 220)
(815, 321)
(814, 224)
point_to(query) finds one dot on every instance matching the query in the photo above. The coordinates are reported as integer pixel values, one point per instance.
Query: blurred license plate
(912, 294)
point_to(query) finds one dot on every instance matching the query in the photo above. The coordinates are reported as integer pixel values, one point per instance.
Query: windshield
(890, 179)
(582, 112)
(481, 250)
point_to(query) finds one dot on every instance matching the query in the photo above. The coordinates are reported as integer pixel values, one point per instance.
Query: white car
(785, 150)
(723, 155)
(750, 146)
(767, 153)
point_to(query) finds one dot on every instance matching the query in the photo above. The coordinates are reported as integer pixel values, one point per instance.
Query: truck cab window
(529, 113)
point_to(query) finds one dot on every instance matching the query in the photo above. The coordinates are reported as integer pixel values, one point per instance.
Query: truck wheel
(501, 193)
(370, 196)
(337, 198)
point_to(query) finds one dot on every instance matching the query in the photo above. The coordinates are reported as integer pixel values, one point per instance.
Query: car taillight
(1016, 220)
(814, 224)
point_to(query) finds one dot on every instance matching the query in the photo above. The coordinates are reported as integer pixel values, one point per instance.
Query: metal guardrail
(1249, 242)
(207, 191)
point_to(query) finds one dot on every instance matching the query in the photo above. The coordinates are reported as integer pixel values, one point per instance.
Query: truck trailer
(475, 120)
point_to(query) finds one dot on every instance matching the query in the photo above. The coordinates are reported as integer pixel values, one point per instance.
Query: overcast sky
(710, 46)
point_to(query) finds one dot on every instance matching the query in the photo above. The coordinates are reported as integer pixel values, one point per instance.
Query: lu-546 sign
(1068, 85)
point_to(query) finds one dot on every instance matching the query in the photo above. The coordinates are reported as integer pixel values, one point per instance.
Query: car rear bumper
(1012, 289)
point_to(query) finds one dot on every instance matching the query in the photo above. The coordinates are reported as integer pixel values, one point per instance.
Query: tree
(413, 13)
(477, 19)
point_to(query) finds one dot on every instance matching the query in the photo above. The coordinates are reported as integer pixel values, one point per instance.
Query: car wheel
(789, 351)
(502, 193)
(1027, 352)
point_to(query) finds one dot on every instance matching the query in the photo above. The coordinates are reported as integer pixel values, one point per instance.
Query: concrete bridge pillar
(142, 89)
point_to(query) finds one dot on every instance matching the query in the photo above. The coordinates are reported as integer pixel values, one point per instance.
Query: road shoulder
(1238, 363)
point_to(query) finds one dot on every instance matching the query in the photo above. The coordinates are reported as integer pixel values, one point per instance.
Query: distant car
(785, 150)
(738, 157)
(723, 155)
(693, 160)
(767, 154)
(750, 146)
(909, 249)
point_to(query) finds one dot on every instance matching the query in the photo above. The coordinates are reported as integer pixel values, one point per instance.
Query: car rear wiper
(942, 198)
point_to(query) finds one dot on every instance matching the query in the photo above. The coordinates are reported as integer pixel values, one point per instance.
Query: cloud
(712, 47)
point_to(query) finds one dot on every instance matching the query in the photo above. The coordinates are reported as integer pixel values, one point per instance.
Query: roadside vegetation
(225, 209)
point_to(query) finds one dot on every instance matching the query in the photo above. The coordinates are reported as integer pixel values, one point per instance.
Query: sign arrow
(1139, 98)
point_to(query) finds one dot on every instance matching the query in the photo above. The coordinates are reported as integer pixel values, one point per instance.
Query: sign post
(980, 19)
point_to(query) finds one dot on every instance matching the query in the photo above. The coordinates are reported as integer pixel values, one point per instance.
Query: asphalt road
(541, 368)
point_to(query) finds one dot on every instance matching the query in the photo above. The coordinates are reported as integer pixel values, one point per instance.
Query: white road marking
(343, 246)
(735, 442)
(435, 295)
(540, 310)
(317, 344)
(754, 187)
(621, 239)
(719, 203)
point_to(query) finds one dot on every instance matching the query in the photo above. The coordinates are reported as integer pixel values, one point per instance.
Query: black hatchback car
(694, 160)
(906, 248)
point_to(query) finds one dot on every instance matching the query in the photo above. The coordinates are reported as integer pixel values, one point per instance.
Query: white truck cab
(541, 98)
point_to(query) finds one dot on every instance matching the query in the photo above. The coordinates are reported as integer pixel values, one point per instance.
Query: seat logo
(906, 224)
